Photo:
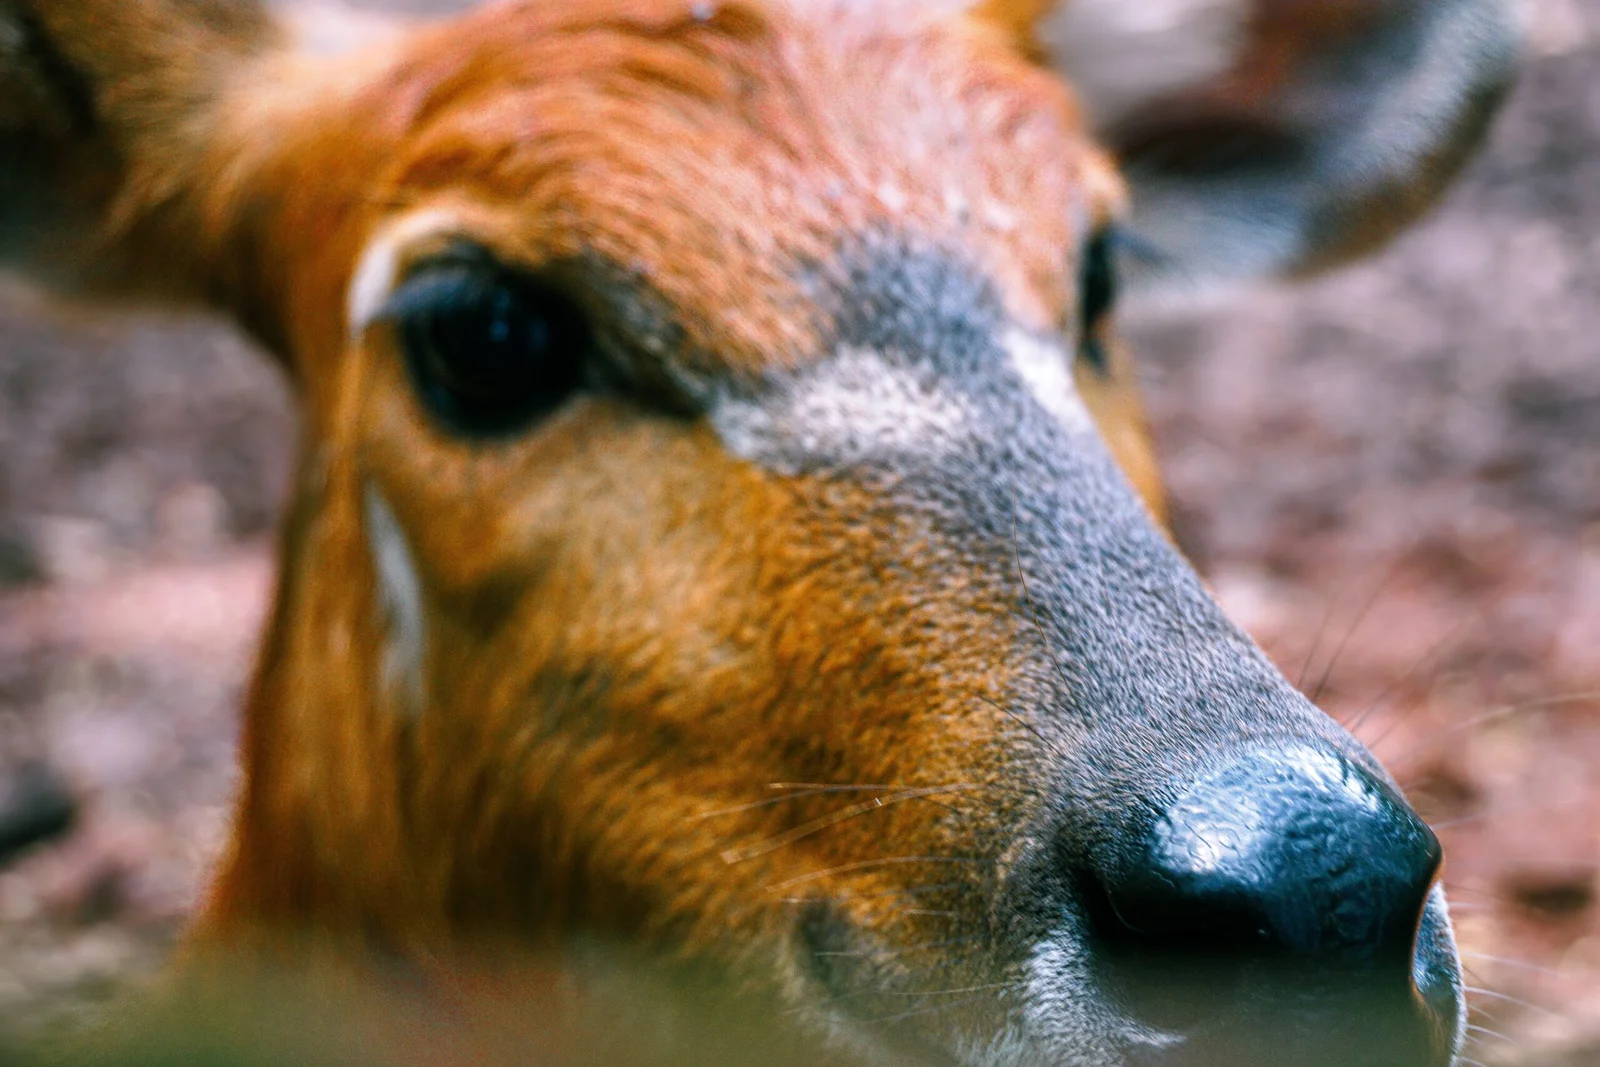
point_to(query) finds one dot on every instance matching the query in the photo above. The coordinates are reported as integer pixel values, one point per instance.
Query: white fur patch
(855, 405)
(1067, 1013)
(400, 599)
(1121, 53)
(1047, 372)
(379, 269)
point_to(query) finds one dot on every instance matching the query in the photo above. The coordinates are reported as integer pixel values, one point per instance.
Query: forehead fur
(722, 154)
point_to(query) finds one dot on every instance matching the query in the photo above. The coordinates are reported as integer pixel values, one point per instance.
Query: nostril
(1289, 852)
(1282, 900)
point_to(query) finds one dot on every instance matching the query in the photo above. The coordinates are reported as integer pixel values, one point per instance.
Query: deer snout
(1290, 891)
(1283, 852)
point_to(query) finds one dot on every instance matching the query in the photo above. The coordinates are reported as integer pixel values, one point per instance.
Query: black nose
(1296, 853)
(1281, 903)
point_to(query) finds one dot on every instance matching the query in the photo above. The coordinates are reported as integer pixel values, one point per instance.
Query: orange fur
(551, 130)
(642, 650)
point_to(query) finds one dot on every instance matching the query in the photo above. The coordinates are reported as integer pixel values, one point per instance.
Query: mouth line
(1050, 1010)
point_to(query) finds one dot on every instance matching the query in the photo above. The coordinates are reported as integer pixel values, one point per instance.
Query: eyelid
(392, 255)
(425, 282)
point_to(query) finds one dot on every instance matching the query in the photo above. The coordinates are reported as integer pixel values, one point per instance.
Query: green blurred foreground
(531, 1017)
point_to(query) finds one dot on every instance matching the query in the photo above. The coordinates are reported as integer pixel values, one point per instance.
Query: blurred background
(1391, 476)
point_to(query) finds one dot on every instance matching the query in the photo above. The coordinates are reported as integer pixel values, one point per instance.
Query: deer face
(725, 523)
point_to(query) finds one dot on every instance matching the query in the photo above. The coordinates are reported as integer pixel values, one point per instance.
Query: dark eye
(489, 351)
(1097, 295)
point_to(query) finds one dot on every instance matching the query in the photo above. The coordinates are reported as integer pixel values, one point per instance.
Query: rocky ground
(1392, 476)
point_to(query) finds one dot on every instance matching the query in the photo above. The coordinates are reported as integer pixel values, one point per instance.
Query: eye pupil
(538, 335)
(489, 351)
(1097, 295)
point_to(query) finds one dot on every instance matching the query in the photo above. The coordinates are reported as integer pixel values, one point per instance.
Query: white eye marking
(380, 266)
(1047, 372)
(851, 406)
(400, 601)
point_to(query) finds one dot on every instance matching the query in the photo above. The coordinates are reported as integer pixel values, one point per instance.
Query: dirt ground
(1391, 476)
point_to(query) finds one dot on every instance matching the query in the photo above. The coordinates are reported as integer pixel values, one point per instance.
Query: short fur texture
(822, 643)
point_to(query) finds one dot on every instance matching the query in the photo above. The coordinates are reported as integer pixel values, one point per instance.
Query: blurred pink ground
(1391, 476)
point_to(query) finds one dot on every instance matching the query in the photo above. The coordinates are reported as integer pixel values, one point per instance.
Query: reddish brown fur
(549, 130)
(632, 635)
(543, 126)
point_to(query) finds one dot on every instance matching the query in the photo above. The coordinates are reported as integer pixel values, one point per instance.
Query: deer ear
(109, 118)
(1270, 137)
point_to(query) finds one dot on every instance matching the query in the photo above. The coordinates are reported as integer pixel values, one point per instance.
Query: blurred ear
(107, 113)
(1269, 137)
(138, 140)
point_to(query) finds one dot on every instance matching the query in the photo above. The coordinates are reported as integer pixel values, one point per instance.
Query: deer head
(724, 519)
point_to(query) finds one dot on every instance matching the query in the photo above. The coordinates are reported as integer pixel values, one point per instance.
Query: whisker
(945, 943)
(1497, 995)
(865, 993)
(1474, 1028)
(1534, 804)
(788, 837)
(802, 790)
(908, 892)
(1580, 697)
(945, 992)
(754, 804)
(862, 865)
(826, 787)
(1052, 746)
(1434, 740)
(1355, 624)
(810, 788)
(1425, 660)
(1575, 866)
(906, 950)
(1508, 962)
(1316, 645)
(929, 1010)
